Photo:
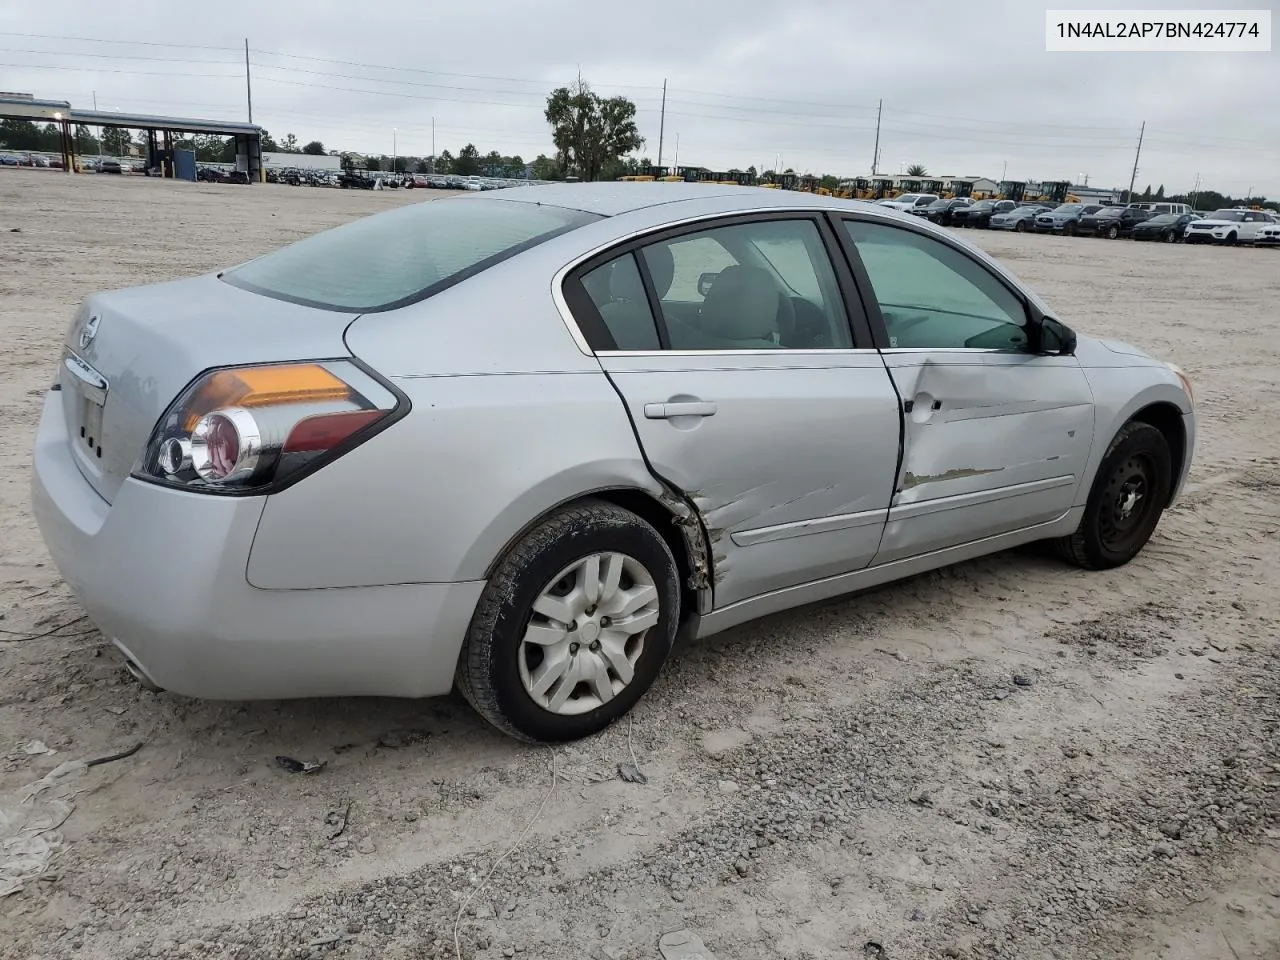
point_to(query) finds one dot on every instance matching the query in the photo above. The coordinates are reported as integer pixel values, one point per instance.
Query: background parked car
(907, 202)
(1065, 218)
(1268, 234)
(940, 211)
(1020, 219)
(1168, 227)
(1112, 222)
(979, 214)
(1227, 226)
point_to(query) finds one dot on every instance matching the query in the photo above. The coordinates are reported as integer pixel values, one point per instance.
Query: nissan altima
(519, 443)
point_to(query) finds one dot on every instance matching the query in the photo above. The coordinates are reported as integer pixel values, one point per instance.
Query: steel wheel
(586, 633)
(1127, 498)
(1127, 503)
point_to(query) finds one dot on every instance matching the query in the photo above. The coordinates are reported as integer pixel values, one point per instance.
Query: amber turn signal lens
(251, 387)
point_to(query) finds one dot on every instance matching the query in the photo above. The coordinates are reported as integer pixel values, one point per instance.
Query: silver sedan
(518, 443)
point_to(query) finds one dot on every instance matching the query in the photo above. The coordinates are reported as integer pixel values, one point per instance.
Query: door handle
(686, 408)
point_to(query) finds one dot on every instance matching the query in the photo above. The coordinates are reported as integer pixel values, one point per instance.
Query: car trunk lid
(129, 353)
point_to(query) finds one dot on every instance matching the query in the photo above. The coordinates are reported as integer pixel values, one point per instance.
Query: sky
(967, 88)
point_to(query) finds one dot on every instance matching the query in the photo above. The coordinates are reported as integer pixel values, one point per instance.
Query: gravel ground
(1008, 758)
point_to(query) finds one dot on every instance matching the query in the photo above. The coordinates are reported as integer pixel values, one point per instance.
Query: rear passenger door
(751, 390)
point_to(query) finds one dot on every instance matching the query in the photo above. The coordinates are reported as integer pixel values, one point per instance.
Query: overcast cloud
(967, 87)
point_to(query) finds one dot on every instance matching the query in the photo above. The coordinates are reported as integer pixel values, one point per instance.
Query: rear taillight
(255, 429)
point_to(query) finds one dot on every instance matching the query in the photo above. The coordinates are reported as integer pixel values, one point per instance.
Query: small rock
(365, 845)
(742, 867)
(1178, 676)
(728, 786)
(1162, 850)
(952, 952)
(354, 926)
(509, 952)
(1001, 694)
(1172, 830)
(484, 912)
(917, 915)
(1022, 680)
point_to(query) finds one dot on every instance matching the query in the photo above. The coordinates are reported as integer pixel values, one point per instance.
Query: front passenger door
(995, 435)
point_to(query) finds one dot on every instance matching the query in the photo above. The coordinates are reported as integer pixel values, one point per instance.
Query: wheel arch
(676, 521)
(1167, 418)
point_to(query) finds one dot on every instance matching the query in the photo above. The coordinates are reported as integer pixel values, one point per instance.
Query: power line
(136, 43)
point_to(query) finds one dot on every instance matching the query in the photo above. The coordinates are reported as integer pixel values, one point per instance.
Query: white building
(301, 161)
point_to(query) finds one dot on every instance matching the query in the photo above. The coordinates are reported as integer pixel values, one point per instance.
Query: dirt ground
(1008, 758)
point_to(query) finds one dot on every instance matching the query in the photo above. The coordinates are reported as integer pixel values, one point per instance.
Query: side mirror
(704, 283)
(1054, 337)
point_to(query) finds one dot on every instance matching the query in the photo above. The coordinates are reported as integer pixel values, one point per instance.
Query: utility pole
(1134, 176)
(662, 120)
(393, 151)
(248, 84)
(433, 144)
(875, 156)
(1194, 190)
(677, 163)
(1003, 170)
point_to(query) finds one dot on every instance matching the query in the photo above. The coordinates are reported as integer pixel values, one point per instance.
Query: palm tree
(917, 170)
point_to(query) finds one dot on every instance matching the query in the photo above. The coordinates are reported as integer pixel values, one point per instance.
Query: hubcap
(587, 632)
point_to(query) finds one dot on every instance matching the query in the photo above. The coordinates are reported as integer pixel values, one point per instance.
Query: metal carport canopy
(107, 118)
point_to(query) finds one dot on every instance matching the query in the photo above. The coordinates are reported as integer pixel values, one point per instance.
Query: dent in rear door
(791, 474)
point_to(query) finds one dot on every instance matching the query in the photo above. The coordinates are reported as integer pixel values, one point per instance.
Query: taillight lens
(253, 429)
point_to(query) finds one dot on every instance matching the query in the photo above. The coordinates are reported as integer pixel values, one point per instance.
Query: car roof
(611, 199)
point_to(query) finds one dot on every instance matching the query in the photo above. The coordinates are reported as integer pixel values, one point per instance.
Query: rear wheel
(573, 626)
(1232, 239)
(1128, 498)
(1169, 236)
(1112, 232)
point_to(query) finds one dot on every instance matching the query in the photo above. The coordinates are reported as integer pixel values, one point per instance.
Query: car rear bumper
(162, 574)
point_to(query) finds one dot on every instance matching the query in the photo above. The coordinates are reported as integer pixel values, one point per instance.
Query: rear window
(399, 257)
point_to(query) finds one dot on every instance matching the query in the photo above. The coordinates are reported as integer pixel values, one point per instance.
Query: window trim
(585, 323)
(871, 306)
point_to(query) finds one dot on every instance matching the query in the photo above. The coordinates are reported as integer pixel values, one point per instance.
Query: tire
(1137, 462)
(1232, 239)
(1168, 237)
(1020, 227)
(1069, 230)
(498, 670)
(1113, 232)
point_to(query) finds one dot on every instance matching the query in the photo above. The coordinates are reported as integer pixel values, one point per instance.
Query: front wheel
(1232, 239)
(1020, 227)
(1169, 236)
(1129, 494)
(573, 626)
(1113, 232)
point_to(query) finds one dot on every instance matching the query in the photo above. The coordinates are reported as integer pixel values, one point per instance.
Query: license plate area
(89, 391)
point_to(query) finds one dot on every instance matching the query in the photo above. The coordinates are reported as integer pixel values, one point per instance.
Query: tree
(1160, 192)
(830, 182)
(269, 145)
(1146, 194)
(115, 141)
(289, 144)
(444, 162)
(468, 162)
(917, 170)
(86, 142)
(19, 135)
(423, 166)
(372, 163)
(544, 168)
(589, 131)
(315, 148)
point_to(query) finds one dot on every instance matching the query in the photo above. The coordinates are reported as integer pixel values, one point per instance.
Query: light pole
(393, 151)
